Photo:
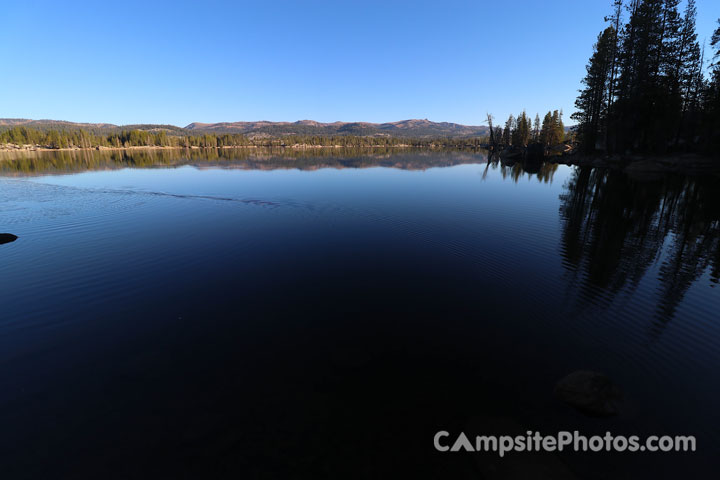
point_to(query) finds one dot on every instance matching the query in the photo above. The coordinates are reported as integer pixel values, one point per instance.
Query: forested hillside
(21, 137)
(404, 128)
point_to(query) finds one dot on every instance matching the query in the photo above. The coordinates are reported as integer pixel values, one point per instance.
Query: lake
(322, 314)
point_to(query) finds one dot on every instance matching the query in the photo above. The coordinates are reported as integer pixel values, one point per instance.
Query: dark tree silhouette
(644, 89)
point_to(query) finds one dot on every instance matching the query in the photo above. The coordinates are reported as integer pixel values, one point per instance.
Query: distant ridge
(413, 127)
(43, 124)
(403, 128)
(7, 123)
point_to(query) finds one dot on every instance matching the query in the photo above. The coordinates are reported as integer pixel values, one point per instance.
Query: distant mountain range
(404, 128)
(6, 123)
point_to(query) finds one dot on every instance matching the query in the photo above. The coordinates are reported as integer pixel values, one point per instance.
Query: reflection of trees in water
(516, 170)
(615, 228)
(696, 245)
(37, 163)
(65, 161)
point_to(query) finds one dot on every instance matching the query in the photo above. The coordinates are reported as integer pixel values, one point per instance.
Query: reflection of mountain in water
(615, 228)
(39, 163)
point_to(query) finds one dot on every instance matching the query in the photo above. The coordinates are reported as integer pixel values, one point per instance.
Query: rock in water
(7, 238)
(590, 392)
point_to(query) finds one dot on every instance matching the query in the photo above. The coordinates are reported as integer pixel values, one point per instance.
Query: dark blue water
(323, 317)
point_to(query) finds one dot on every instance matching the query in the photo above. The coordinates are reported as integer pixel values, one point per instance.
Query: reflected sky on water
(323, 314)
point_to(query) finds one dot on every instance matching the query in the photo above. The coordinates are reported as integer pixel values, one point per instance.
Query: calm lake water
(322, 315)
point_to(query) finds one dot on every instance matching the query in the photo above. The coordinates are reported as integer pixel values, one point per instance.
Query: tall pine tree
(594, 99)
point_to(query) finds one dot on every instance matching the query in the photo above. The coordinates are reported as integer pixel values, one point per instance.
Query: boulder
(7, 238)
(591, 393)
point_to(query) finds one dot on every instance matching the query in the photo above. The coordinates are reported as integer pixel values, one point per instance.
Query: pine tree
(557, 129)
(684, 77)
(521, 131)
(507, 132)
(711, 117)
(645, 108)
(715, 44)
(498, 134)
(594, 99)
(614, 20)
(546, 130)
(645, 89)
(525, 129)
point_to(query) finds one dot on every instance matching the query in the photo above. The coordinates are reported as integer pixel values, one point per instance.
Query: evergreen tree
(614, 20)
(498, 133)
(643, 88)
(715, 44)
(594, 99)
(557, 129)
(687, 75)
(711, 114)
(639, 90)
(522, 131)
(507, 132)
(546, 130)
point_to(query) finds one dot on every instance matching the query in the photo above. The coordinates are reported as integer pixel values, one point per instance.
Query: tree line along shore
(26, 138)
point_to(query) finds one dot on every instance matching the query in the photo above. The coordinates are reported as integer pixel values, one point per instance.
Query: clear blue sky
(181, 62)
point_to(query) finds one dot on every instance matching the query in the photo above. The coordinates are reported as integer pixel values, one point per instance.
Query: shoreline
(26, 148)
(645, 166)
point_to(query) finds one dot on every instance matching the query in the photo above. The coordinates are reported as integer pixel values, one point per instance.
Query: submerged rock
(7, 238)
(590, 392)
